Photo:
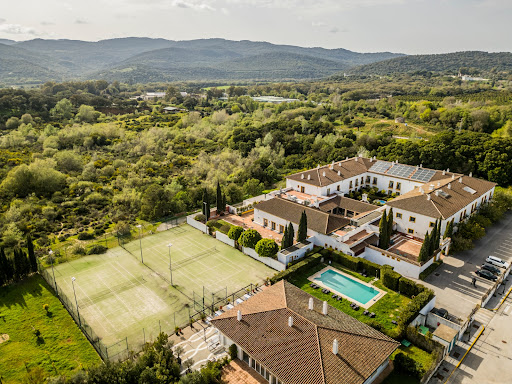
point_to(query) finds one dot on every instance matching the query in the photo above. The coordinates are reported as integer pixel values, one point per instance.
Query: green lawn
(119, 297)
(61, 349)
(386, 309)
(419, 355)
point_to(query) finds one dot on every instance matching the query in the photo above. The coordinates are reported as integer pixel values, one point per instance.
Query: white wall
(224, 238)
(428, 307)
(272, 263)
(325, 241)
(196, 224)
(420, 226)
(376, 374)
(292, 256)
(401, 266)
(259, 217)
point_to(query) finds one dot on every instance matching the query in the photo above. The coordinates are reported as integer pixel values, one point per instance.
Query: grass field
(119, 296)
(61, 348)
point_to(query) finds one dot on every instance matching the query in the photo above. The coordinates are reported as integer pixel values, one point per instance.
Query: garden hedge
(390, 278)
(297, 268)
(409, 288)
(372, 269)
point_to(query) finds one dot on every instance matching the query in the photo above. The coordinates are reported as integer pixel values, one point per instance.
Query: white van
(497, 262)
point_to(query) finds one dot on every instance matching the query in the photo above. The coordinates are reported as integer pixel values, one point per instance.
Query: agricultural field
(60, 348)
(121, 298)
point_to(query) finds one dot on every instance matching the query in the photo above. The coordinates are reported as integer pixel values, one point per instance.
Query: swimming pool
(348, 287)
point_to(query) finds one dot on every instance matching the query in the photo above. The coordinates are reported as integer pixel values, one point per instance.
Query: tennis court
(120, 297)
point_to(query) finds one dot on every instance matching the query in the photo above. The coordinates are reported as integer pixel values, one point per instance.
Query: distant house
(173, 110)
(273, 99)
(291, 337)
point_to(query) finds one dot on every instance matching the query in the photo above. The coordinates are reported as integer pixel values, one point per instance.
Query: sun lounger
(334, 296)
(229, 306)
(339, 298)
(394, 322)
(238, 301)
(218, 313)
(247, 296)
(208, 319)
(372, 315)
(366, 313)
(406, 343)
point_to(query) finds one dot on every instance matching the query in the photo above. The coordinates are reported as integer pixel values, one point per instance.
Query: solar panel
(380, 166)
(401, 170)
(423, 175)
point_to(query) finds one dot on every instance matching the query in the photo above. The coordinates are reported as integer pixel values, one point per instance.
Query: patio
(245, 221)
(406, 247)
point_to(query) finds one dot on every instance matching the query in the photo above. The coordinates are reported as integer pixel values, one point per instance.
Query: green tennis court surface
(120, 297)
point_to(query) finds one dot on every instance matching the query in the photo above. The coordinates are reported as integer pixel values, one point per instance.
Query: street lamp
(53, 272)
(170, 263)
(76, 301)
(140, 242)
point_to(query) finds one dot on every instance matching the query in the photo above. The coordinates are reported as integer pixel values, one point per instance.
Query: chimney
(453, 176)
(335, 347)
(290, 321)
(449, 185)
(374, 157)
(371, 159)
(302, 176)
(438, 184)
(346, 158)
(447, 169)
(460, 179)
(437, 193)
(421, 165)
(421, 190)
(357, 158)
(309, 177)
(444, 172)
(428, 196)
(310, 304)
(431, 187)
(339, 173)
(470, 174)
(323, 173)
(239, 315)
(324, 308)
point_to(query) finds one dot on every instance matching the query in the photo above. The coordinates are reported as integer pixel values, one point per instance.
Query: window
(328, 191)
(391, 184)
(390, 192)
(410, 231)
(350, 185)
(273, 226)
(338, 188)
(302, 189)
(368, 178)
(362, 180)
(281, 228)
(374, 180)
(431, 224)
(265, 222)
(398, 215)
(412, 219)
(398, 185)
(357, 182)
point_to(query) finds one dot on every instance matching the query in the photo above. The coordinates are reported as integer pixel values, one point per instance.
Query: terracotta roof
(451, 198)
(302, 354)
(347, 203)
(318, 221)
(346, 168)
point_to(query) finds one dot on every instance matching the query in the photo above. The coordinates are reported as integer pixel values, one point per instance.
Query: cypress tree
(424, 251)
(390, 225)
(428, 243)
(291, 234)
(303, 227)
(449, 229)
(206, 204)
(6, 266)
(285, 242)
(31, 255)
(438, 233)
(224, 202)
(3, 268)
(219, 199)
(383, 231)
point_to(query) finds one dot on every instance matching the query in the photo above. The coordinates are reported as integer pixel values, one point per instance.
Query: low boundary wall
(272, 263)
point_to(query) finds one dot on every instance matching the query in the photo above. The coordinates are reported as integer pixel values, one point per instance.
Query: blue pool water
(349, 287)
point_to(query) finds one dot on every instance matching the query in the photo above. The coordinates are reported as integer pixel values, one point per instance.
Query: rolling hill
(474, 62)
(145, 60)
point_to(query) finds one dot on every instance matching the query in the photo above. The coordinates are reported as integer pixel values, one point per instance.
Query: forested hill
(146, 60)
(471, 63)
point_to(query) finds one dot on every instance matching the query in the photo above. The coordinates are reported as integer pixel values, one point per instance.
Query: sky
(406, 26)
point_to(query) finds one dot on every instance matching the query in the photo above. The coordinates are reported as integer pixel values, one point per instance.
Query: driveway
(452, 280)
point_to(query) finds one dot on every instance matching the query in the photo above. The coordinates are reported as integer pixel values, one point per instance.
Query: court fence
(202, 306)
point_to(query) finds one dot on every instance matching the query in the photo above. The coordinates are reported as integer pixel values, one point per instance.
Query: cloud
(2, 20)
(17, 29)
(318, 24)
(81, 21)
(332, 5)
(334, 30)
(196, 5)
(47, 23)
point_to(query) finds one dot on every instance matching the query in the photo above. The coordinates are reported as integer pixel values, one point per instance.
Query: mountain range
(146, 60)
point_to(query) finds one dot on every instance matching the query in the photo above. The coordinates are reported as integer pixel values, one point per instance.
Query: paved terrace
(406, 247)
(245, 221)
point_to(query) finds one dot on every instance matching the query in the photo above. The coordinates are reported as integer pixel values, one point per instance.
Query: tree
(27, 119)
(427, 241)
(12, 236)
(206, 204)
(449, 229)
(285, 242)
(390, 223)
(87, 114)
(21, 263)
(291, 234)
(31, 255)
(249, 238)
(253, 187)
(266, 248)
(155, 203)
(62, 110)
(235, 232)
(383, 231)
(424, 251)
(12, 123)
(6, 267)
(437, 237)
(302, 231)
(219, 200)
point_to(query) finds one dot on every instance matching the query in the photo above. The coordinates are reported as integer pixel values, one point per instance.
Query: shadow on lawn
(15, 294)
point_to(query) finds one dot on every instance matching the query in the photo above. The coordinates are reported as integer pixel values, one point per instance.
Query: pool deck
(345, 297)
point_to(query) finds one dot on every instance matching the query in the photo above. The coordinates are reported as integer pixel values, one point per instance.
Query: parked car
(442, 312)
(491, 268)
(496, 261)
(486, 274)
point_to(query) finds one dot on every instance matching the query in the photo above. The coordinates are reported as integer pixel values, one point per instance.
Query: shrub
(409, 288)
(201, 218)
(225, 229)
(97, 249)
(413, 307)
(235, 233)
(85, 236)
(46, 307)
(390, 278)
(266, 248)
(345, 260)
(372, 269)
(407, 365)
(78, 249)
(297, 268)
(249, 238)
(233, 351)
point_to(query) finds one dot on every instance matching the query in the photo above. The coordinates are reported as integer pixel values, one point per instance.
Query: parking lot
(452, 280)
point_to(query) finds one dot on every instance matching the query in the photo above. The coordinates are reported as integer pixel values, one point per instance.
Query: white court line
(97, 310)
